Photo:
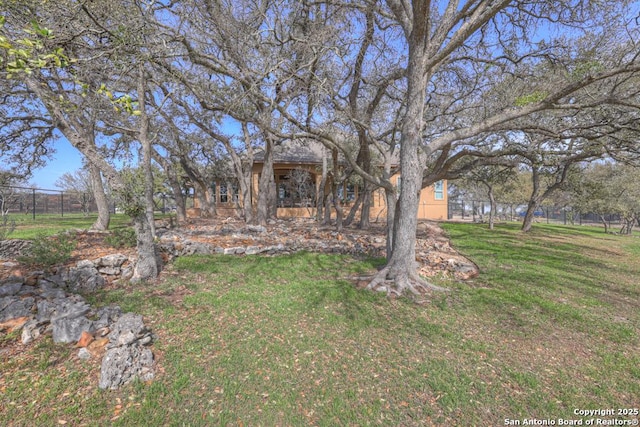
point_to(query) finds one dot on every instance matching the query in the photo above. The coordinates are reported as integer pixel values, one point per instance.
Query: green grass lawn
(28, 228)
(50, 224)
(551, 325)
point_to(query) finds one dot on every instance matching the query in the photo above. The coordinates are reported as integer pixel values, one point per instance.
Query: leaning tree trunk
(529, 216)
(534, 201)
(353, 211)
(605, 223)
(82, 138)
(99, 195)
(365, 212)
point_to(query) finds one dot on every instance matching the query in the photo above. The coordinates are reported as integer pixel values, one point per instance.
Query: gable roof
(295, 152)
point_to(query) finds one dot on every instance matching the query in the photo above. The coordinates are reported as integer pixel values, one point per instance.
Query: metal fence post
(33, 192)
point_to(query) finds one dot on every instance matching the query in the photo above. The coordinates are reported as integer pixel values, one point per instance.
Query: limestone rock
(66, 330)
(121, 365)
(84, 279)
(10, 288)
(31, 331)
(114, 260)
(14, 306)
(106, 316)
(13, 248)
(84, 354)
(128, 329)
(255, 229)
(50, 290)
(85, 263)
(253, 250)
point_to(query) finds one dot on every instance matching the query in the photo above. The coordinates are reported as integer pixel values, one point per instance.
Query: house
(298, 175)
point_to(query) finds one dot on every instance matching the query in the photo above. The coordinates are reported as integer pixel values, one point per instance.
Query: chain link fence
(16, 200)
(478, 211)
(39, 201)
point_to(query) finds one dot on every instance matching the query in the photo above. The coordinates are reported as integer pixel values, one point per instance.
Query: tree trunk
(264, 185)
(335, 182)
(272, 199)
(534, 201)
(364, 160)
(147, 265)
(181, 211)
(391, 200)
(365, 212)
(320, 200)
(243, 169)
(327, 209)
(82, 138)
(245, 189)
(207, 200)
(354, 209)
(529, 216)
(605, 223)
(99, 195)
(143, 136)
(400, 276)
(492, 207)
(337, 205)
(247, 177)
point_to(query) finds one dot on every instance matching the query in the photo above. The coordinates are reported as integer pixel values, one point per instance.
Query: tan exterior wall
(429, 207)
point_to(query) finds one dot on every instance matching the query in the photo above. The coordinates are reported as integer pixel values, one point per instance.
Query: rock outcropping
(40, 304)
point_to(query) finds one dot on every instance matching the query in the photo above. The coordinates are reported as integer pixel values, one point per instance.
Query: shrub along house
(298, 176)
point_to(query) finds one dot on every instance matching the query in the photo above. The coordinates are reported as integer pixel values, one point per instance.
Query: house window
(234, 192)
(224, 195)
(438, 190)
(351, 192)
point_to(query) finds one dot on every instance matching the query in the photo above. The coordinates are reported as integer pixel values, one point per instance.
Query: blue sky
(65, 159)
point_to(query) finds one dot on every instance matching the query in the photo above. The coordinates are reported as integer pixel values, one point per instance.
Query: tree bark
(147, 265)
(400, 276)
(99, 195)
(335, 182)
(145, 142)
(391, 199)
(82, 139)
(534, 201)
(492, 207)
(320, 199)
(353, 211)
(605, 223)
(265, 184)
(365, 212)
